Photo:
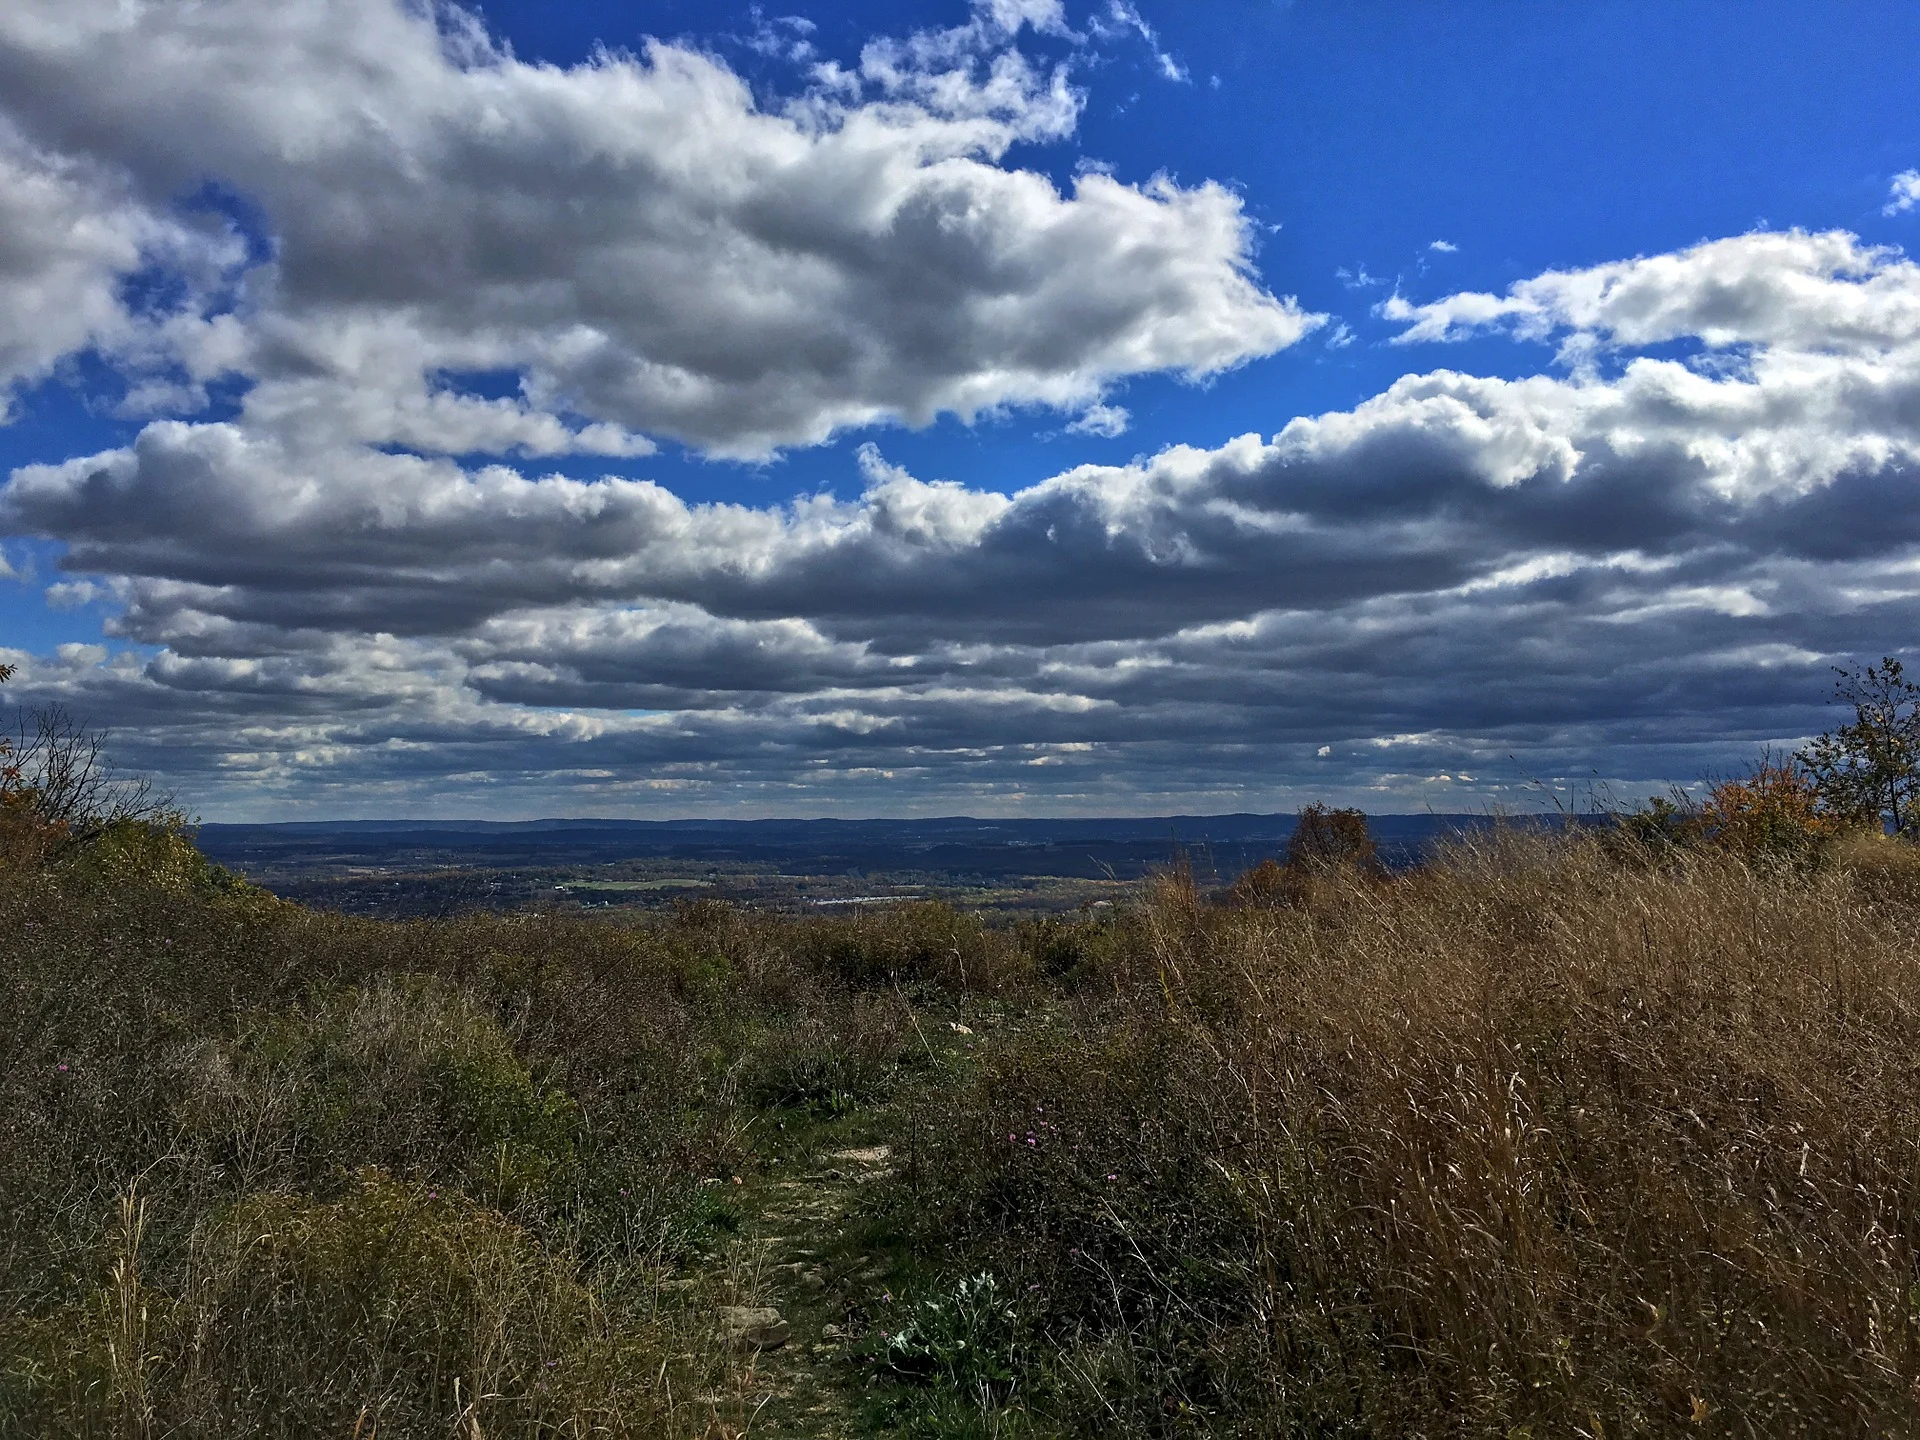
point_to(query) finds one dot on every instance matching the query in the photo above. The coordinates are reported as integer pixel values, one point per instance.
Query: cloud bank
(355, 589)
(646, 247)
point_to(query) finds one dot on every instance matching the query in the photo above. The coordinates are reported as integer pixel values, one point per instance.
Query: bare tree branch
(55, 774)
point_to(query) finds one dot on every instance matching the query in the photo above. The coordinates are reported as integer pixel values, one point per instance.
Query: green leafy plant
(968, 1337)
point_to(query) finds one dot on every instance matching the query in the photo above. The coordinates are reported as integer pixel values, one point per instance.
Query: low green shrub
(1072, 952)
(968, 1338)
(834, 1058)
(925, 947)
(406, 1074)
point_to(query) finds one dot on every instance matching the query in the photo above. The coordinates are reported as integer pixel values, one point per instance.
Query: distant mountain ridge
(1123, 847)
(1236, 822)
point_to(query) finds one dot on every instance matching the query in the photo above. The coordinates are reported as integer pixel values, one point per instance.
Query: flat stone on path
(754, 1327)
(872, 1155)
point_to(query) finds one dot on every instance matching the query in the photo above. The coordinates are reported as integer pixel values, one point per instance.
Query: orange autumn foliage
(1773, 809)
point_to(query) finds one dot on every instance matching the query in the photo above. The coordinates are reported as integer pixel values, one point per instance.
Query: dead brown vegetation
(1527, 1142)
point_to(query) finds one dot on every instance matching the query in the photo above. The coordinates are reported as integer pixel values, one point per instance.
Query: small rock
(872, 1155)
(805, 1271)
(754, 1327)
(958, 1028)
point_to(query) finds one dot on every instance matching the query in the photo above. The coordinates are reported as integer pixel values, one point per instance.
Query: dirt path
(782, 1290)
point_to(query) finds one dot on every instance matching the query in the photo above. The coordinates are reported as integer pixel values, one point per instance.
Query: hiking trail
(781, 1291)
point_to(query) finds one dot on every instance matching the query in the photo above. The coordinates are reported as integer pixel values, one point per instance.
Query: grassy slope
(1543, 1140)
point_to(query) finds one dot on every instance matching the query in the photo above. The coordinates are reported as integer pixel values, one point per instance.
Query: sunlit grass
(1559, 1135)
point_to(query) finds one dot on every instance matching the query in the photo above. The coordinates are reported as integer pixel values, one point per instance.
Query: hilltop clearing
(1556, 1134)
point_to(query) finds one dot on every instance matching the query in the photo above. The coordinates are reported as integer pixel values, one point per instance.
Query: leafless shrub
(60, 791)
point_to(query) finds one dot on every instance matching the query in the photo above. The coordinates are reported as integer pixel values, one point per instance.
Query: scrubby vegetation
(1592, 1130)
(269, 1171)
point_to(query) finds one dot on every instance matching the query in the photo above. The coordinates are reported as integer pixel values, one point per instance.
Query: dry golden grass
(1529, 1142)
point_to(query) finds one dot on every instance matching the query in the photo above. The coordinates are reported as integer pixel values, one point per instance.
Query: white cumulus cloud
(1461, 567)
(640, 246)
(1106, 421)
(1904, 193)
(1793, 289)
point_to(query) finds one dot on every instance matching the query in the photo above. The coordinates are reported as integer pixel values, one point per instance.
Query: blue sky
(1391, 616)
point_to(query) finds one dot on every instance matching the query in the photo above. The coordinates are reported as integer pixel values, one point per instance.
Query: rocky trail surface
(784, 1291)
